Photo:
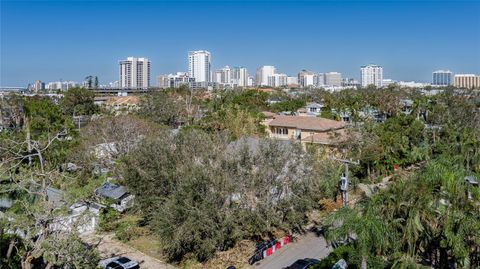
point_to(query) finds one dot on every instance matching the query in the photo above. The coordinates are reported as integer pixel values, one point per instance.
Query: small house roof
(313, 104)
(110, 190)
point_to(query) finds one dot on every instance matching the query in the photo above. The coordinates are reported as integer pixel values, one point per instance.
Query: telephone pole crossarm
(344, 178)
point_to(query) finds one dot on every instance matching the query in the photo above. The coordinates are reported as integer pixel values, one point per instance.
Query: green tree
(79, 102)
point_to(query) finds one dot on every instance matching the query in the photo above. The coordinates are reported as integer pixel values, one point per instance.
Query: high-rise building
(199, 65)
(467, 81)
(240, 76)
(250, 81)
(371, 75)
(442, 78)
(277, 80)
(306, 78)
(135, 73)
(263, 73)
(319, 80)
(223, 76)
(38, 85)
(174, 80)
(333, 79)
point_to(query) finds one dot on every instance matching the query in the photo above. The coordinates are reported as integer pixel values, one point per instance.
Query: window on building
(281, 131)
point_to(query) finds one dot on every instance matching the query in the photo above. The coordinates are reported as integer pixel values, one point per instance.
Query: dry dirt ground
(108, 246)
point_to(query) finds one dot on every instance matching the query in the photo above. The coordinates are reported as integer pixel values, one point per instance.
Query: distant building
(134, 73)
(467, 81)
(411, 84)
(38, 85)
(62, 85)
(319, 80)
(313, 109)
(199, 65)
(292, 80)
(250, 82)
(223, 76)
(306, 78)
(333, 79)
(442, 78)
(239, 76)
(173, 80)
(277, 80)
(371, 75)
(387, 81)
(263, 73)
(350, 82)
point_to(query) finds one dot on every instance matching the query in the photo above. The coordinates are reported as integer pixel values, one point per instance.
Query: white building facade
(173, 80)
(371, 75)
(263, 73)
(134, 73)
(306, 78)
(277, 80)
(240, 76)
(333, 79)
(199, 65)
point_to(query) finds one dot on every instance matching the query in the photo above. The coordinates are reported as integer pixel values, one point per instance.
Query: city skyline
(313, 35)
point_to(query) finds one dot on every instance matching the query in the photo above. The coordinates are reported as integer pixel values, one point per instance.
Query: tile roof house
(313, 130)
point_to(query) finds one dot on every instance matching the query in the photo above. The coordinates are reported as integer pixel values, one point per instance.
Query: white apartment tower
(240, 76)
(277, 80)
(371, 75)
(333, 79)
(199, 65)
(263, 73)
(223, 76)
(306, 78)
(135, 73)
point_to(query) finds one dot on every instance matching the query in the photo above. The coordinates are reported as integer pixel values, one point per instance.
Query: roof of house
(110, 190)
(306, 123)
(313, 104)
(123, 100)
(327, 138)
(268, 114)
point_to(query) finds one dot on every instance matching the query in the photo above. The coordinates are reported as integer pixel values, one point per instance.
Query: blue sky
(52, 40)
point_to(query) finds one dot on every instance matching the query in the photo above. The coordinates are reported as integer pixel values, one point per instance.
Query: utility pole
(344, 179)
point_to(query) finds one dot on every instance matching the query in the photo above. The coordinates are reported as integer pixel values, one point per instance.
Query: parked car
(259, 248)
(119, 263)
(303, 263)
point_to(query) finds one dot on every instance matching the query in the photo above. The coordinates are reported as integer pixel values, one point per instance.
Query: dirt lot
(108, 246)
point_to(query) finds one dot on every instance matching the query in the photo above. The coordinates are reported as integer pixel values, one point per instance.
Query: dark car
(119, 263)
(259, 249)
(303, 263)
